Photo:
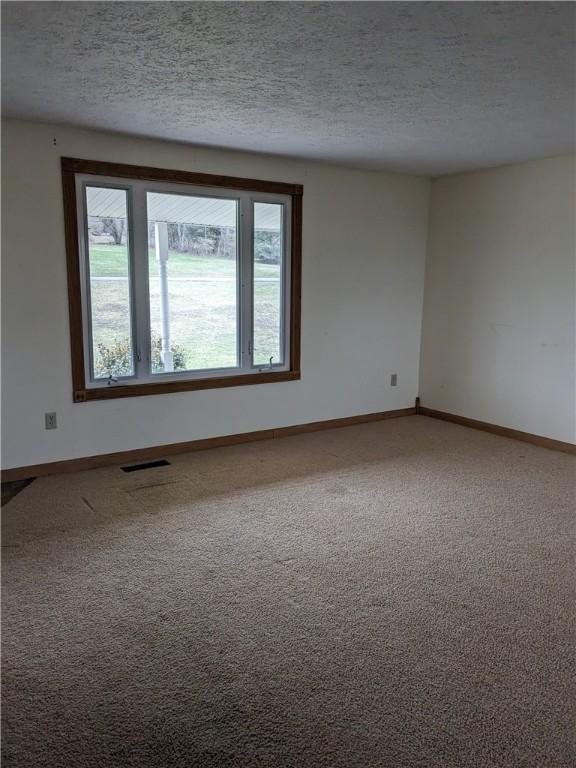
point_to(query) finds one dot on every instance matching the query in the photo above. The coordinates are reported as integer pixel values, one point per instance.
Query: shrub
(115, 360)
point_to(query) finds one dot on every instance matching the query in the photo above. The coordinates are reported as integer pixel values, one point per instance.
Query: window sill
(188, 385)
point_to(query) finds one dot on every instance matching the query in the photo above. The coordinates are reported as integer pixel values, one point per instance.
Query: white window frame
(137, 227)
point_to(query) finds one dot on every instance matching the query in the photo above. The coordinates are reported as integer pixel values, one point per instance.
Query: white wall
(498, 325)
(364, 240)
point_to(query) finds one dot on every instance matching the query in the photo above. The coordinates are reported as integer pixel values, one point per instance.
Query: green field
(111, 261)
(202, 305)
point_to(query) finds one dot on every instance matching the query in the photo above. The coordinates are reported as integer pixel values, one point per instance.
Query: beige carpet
(397, 594)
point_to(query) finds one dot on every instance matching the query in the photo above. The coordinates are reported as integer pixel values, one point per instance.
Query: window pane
(193, 282)
(109, 272)
(268, 270)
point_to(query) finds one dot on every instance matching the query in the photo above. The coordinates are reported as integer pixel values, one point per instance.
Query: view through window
(182, 282)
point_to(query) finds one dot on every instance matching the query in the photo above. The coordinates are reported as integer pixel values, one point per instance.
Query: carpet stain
(87, 503)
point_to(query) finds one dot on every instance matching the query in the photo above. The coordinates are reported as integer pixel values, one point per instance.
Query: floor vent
(146, 465)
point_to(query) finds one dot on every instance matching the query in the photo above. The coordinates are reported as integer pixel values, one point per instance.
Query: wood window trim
(81, 392)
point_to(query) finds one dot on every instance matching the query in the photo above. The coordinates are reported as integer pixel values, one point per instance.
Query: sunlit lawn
(202, 311)
(111, 261)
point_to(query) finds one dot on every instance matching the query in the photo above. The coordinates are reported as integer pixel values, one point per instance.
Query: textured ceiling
(426, 88)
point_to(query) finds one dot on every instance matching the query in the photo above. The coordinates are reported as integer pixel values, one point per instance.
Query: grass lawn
(202, 305)
(112, 261)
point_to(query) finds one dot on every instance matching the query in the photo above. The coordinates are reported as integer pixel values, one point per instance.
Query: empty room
(288, 384)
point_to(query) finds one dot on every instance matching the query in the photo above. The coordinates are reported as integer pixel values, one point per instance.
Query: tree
(114, 228)
(267, 246)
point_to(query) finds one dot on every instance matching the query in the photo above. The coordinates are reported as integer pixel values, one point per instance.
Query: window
(179, 280)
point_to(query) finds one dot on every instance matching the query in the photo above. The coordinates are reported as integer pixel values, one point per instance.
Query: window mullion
(139, 279)
(246, 273)
(286, 282)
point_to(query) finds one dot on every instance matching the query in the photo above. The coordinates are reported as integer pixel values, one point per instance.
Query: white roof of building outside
(104, 202)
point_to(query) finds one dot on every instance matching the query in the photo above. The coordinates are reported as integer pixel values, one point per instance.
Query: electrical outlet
(394, 380)
(50, 420)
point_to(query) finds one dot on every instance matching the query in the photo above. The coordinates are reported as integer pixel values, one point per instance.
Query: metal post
(162, 256)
